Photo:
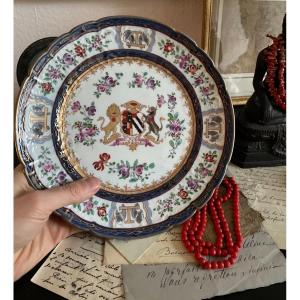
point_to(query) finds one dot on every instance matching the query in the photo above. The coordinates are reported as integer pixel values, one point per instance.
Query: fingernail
(92, 182)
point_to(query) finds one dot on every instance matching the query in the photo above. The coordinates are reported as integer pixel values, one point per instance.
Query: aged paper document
(260, 263)
(74, 270)
(168, 247)
(265, 189)
(133, 249)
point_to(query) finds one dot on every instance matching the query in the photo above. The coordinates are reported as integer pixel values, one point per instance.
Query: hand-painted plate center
(128, 121)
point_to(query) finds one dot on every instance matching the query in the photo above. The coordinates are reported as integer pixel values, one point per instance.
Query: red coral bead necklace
(224, 246)
(275, 78)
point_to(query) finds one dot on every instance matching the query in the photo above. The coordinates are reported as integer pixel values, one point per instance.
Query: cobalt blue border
(107, 55)
(209, 66)
(126, 233)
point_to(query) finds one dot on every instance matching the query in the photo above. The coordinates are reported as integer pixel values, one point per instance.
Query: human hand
(36, 230)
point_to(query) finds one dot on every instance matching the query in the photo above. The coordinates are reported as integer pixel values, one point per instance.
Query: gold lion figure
(114, 114)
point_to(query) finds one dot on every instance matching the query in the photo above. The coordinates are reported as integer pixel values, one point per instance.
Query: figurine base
(245, 158)
(258, 145)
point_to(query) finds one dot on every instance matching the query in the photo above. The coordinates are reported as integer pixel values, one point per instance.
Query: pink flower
(54, 73)
(204, 171)
(199, 80)
(205, 90)
(168, 47)
(101, 211)
(160, 100)
(139, 170)
(97, 42)
(209, 158)
(175, 128)
(91, 110)
(89, 131)
(183, 60)
(172, 99)
(138, 80)
(68, 59)
(192, 183)
(183, 194)
(48, 167)
(109, 81)
(61, 177)
(192, 69)
(150, 83)
(124, 171)
(88, 205)
(80, 137)
(102, 87)
(76, 106)
(80, 51)
(47, 87)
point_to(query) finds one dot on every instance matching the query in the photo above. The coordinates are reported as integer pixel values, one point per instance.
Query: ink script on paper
(265, 189)
(260, 263)
(74, 270)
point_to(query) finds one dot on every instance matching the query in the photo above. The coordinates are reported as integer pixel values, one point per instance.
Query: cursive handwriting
(260, 263)
(265, 189)
(74, 269)
(166, 251)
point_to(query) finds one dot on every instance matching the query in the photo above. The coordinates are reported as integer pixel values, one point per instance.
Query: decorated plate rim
(43, 58)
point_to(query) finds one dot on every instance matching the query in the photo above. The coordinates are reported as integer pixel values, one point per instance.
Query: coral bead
(205, 251)
(212, 252)
(218, 252)
(220, 265)
(214, 265)
(198, 256)
(207, 265)
(227, 264)
(195, 243)
(191, 248)
(231, 260)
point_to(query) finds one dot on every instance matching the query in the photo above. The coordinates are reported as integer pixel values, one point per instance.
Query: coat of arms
(133, 124)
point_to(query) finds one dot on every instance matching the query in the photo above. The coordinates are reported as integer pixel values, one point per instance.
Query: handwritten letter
(260, 263)
(74, 270)
(265, 189)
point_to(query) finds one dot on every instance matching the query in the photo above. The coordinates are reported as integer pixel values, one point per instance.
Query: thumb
(70, 193)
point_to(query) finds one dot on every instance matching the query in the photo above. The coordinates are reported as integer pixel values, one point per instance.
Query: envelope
(131, 250)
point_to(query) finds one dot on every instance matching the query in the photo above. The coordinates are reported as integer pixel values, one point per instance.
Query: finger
(20, 182)
(74, 192)
(67, 228)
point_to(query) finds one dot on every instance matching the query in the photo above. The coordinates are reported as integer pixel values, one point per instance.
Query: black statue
(261, 124)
